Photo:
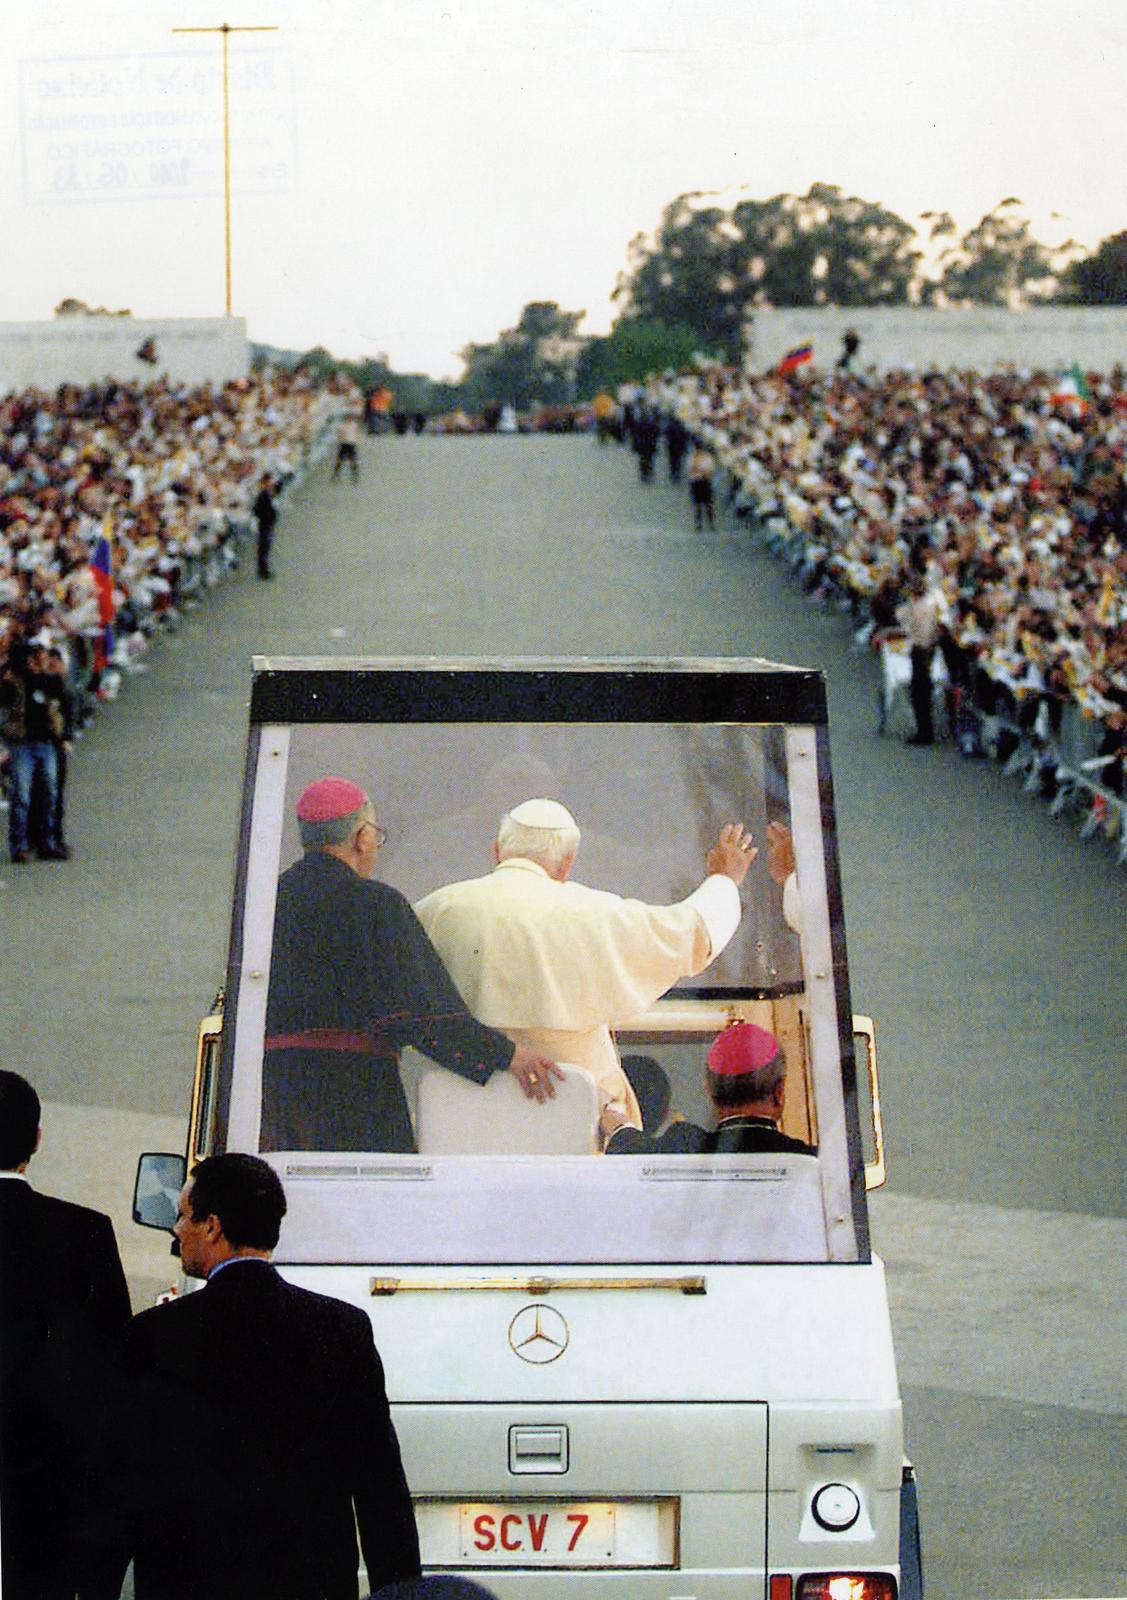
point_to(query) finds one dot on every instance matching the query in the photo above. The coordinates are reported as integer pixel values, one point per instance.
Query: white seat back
(454, 1116)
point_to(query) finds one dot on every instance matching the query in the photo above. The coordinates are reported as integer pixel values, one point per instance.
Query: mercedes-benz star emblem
(538, 1334)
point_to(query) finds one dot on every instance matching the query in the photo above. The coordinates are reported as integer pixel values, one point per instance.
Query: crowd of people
(119, 505)
(992, 501)
(995, 502)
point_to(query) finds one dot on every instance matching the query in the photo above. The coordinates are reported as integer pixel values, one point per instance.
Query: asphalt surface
(987, 939)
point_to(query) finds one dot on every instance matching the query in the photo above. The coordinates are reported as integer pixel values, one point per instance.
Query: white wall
(84, 349)
(1048, 337)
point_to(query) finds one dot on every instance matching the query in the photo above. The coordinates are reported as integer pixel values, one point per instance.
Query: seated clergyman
(746, 1082)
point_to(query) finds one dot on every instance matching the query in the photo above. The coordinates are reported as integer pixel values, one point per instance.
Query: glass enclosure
(357, 1060)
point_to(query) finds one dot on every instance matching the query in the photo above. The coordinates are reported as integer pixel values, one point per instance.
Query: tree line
(693, 284)
(709, 267)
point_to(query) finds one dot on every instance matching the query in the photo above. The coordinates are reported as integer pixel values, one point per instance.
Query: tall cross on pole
(226, 30)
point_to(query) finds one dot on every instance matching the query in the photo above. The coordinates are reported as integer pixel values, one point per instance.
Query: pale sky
(409, 173)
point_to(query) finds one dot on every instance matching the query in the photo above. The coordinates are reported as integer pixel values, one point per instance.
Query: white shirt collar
(521, 864)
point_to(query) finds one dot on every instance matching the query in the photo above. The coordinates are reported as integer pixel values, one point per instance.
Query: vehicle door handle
(538, 1448)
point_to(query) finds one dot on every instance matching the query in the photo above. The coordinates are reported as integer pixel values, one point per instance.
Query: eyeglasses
(381, 834)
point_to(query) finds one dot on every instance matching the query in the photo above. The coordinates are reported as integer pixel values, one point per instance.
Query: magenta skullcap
(741, 1050)
(328, 799)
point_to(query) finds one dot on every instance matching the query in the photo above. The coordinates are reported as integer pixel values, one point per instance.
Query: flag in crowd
(101, 565)
(1108, 600)
(1072, 390)
(796, 358)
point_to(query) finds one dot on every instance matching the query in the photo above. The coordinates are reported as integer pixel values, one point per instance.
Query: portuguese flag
(1072, 391)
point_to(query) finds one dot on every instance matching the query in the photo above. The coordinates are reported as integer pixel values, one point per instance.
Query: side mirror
(156, 1193)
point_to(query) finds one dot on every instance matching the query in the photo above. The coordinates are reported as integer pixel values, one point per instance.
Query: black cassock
(735, 1136)
(353, 979)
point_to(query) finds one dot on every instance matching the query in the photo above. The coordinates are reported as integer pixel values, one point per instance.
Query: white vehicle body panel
(690, 1346)
(709, 1398)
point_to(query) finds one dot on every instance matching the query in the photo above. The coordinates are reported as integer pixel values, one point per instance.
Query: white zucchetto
(547, 814)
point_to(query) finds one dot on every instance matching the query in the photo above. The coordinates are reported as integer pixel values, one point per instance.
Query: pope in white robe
(556, 965)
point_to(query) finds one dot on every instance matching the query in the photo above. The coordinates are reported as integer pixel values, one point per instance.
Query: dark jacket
(736, 1136)
(63, 1299)
(32, 706)
(264, 510)
(270, 1442)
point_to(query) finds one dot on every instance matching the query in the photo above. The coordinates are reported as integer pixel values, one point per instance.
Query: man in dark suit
(746, 1082)
(275, 1399)
(62, 1299)
(265, 514)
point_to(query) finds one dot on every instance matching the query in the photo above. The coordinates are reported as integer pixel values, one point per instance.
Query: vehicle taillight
(782, 1587)
(846, 1586)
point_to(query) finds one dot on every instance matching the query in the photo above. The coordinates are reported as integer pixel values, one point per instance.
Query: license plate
(547, 1533)
(524, 1534)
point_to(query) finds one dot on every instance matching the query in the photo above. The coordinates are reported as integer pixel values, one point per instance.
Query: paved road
(988, 941)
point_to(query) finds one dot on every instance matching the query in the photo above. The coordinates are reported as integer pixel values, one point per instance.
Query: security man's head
(19, 1122)
(231, 1205)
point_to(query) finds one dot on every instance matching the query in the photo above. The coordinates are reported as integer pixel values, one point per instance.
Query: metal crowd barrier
(1065, 769)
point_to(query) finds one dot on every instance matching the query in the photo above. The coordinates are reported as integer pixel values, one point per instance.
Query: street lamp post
(226, 30)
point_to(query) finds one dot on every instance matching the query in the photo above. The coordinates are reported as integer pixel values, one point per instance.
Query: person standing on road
(62, 734)
(605, 411)
(31, 704)
(676, 443)
(353, 978)
(646, 437)
(701, 468)
(919, 617)
(266, 517)
(63, 1299)
(290, 1446)
(348, 437)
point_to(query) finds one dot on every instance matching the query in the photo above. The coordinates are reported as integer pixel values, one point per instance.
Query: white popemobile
(651, 1376)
